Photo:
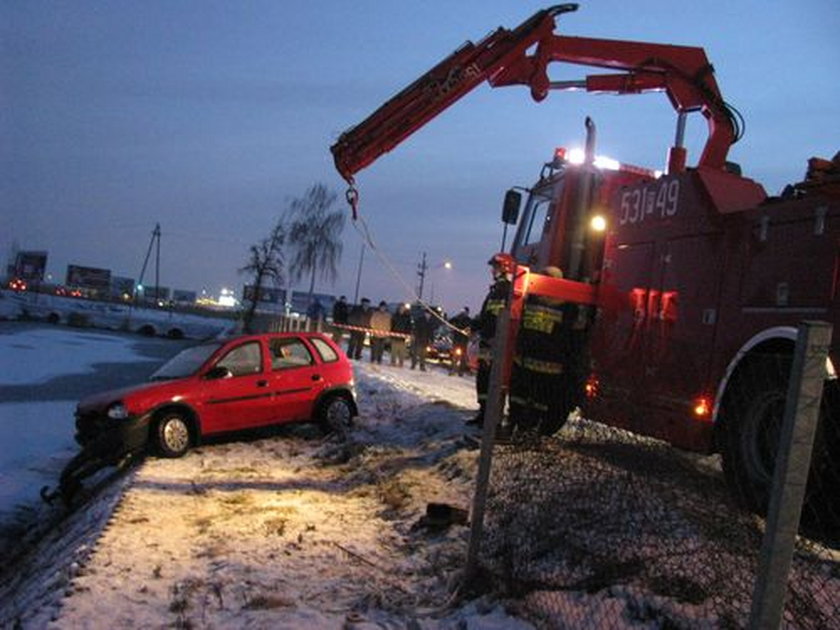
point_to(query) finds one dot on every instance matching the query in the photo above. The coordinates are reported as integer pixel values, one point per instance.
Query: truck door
(619, 337)
(682, 314)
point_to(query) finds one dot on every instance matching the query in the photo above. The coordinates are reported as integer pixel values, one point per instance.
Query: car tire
(172, 434)
(335, 415)
(750, 427)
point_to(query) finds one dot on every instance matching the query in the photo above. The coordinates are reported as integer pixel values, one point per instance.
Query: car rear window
(288, 352)
(328, 355)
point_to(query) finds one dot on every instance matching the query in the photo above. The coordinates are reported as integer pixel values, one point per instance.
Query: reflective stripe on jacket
(535, 365)
(541, 318)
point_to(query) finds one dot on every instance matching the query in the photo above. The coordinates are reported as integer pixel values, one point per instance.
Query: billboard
(30, 265)
(88, 278)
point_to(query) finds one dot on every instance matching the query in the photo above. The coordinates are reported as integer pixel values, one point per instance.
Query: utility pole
(421, 271)
(155, 238)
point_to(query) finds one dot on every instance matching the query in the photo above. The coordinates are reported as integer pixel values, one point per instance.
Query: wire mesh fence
(596, 527)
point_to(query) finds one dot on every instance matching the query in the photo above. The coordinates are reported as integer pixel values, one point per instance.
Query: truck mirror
(510, 211)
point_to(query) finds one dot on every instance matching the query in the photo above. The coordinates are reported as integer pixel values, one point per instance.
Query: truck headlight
(117, 411)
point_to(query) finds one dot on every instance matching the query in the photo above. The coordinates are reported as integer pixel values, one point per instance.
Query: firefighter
(502, 266)
(538, 383)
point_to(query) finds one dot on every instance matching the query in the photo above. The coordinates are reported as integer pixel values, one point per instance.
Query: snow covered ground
(292, 529)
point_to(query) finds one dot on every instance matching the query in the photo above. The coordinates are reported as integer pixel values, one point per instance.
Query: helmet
(502, 263)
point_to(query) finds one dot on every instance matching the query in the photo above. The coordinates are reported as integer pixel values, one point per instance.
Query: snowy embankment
(292, 530)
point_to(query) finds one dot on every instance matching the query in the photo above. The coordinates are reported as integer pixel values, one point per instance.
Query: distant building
(300, 301)
(180, 296)
(270, 298)
(152, 294)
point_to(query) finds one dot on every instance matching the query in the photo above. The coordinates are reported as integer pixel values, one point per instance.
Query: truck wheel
(335, 415)
(750, 426)
(172, 433)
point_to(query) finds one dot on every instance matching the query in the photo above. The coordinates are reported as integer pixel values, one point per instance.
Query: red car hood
(157, 390)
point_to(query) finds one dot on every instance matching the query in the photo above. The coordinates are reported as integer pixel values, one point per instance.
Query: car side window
(243, 360)
(289, 352)
(328, 355)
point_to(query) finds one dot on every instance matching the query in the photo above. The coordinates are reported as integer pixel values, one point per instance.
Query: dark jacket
(401, 322)
(490, 309)
(359, 316)
(423, 329)
(340, 312)
(461, 322)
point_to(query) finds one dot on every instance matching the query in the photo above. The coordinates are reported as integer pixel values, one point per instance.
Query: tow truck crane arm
(502, 59)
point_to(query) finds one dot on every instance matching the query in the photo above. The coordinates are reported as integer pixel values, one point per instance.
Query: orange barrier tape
(372, 331)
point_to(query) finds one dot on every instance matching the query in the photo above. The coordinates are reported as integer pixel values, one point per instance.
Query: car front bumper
(105, 436)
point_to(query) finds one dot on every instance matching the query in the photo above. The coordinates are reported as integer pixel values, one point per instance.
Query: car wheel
(750, 423)
(335, 415)
(173, 435)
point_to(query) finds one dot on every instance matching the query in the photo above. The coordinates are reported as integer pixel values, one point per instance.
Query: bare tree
(266, 264)
(315, 236)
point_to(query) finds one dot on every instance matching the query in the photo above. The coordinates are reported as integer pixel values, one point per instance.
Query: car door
(242, 398)
(296, 378)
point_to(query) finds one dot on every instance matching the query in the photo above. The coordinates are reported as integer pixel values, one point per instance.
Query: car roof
(273, 335)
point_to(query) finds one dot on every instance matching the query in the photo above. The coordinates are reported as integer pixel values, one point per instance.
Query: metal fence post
(802, 411)
(492, 417)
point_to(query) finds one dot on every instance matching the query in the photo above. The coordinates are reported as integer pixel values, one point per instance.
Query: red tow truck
(695, 279)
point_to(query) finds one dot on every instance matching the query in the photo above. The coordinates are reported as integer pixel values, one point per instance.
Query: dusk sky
(208, 117)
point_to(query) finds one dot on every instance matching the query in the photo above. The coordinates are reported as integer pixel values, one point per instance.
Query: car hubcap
(176, 435)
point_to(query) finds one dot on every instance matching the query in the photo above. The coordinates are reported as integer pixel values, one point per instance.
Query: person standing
(461, 325)
(359, 317)
(339, 316)
(422, 331)
(380, 323)
(400, 323)
(539, 385)
(501, 266)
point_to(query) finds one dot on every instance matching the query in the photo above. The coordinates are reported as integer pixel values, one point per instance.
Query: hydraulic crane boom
(501, 59)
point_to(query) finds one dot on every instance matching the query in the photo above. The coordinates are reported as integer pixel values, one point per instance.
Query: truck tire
(750, 420)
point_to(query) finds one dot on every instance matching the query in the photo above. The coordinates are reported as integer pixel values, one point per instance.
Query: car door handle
(262, 383)
(316, 377)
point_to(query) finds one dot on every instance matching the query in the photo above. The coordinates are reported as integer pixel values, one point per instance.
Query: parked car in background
(219, 387)
(440, 348)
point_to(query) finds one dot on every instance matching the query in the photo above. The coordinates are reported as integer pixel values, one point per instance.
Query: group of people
(403, 331)
(548, 368)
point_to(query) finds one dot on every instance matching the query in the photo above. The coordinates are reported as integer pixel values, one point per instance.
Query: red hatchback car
(222, 386)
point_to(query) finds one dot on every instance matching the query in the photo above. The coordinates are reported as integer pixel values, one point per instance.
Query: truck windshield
(186, 362)
(535, 217)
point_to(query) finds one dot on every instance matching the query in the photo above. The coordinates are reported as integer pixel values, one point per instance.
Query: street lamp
(444, 265)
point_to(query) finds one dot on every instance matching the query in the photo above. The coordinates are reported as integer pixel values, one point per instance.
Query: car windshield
(186, 362)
